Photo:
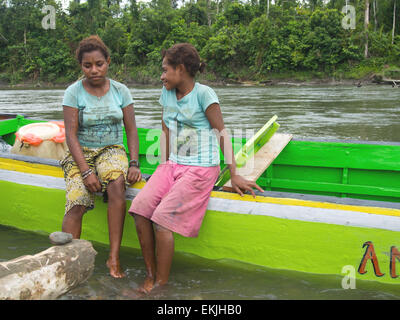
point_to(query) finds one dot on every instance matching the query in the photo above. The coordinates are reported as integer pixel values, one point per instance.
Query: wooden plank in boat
(252, 146)
(253, 169)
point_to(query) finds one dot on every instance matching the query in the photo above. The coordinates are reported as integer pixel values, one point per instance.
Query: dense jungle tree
(253, 39)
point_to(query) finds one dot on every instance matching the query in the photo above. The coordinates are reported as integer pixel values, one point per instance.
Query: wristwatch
(134, 163)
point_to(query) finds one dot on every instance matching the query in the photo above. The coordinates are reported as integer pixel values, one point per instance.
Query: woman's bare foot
(115, 268)
(147, 285)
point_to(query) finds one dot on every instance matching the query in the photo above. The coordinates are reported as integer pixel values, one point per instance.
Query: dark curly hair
(186, 54)
(90, 44)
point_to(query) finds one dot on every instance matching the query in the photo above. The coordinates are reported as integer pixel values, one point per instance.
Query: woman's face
(170, 76)
(95, 66)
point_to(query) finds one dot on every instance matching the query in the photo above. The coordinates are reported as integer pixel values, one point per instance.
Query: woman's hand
(241, 185)
(92, 183)
(134, 175)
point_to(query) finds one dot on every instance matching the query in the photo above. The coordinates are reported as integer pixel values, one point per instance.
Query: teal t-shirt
(192, 139)
(100, 118)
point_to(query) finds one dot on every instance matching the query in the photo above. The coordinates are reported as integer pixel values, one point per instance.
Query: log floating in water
(48, 274)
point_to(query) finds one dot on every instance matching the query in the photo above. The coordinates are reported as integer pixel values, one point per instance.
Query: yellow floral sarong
(108, 163)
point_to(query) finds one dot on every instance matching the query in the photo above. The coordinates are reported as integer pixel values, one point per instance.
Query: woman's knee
(76, 212)
(159, 228)
(140, 220)
(116, 189)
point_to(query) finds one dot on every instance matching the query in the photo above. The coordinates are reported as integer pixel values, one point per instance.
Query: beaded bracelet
(86, 174)
(134, 163)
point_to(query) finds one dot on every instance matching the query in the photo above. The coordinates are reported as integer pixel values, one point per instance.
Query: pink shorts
(176, 197)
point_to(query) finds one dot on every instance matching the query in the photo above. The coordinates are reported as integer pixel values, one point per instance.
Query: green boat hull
(262, 240)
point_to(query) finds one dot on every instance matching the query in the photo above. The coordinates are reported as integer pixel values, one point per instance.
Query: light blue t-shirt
(100, 118)
(192, 139)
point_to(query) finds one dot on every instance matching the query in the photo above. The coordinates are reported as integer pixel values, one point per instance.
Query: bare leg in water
(157, 249)
(72, 223)
(116, 218)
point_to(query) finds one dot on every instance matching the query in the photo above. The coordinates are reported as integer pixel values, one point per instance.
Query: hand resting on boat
(241, 185)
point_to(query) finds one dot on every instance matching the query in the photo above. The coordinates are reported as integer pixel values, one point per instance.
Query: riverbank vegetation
(252, 40)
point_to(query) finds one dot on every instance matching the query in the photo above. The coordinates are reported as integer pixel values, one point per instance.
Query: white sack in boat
(44, 140)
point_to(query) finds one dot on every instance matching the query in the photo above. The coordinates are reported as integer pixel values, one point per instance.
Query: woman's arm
(134, 173)
(164, 142)
(71, 129)
(239, 184)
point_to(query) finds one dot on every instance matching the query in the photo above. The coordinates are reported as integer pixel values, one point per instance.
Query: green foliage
(238, 40)
(237, 13)
(325, 45)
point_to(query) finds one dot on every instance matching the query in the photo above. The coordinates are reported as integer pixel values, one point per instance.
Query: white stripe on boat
(282, 211)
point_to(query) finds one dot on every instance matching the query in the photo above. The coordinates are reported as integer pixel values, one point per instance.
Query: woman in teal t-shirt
(175, 198)
(94, 110)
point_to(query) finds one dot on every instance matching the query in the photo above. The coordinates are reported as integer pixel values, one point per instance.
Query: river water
(195, 278)
(370, 113)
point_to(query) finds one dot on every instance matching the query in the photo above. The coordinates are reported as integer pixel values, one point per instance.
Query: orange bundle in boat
(43, 139)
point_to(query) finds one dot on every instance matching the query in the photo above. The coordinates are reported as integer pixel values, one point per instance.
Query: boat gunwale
(334, 141)
(276, 195)
(345, 141)
(30, 159)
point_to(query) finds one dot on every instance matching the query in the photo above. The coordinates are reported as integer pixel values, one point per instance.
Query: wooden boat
(328, 207)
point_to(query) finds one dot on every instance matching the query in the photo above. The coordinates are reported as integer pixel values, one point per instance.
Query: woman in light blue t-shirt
(95, 109)
(175, 198)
